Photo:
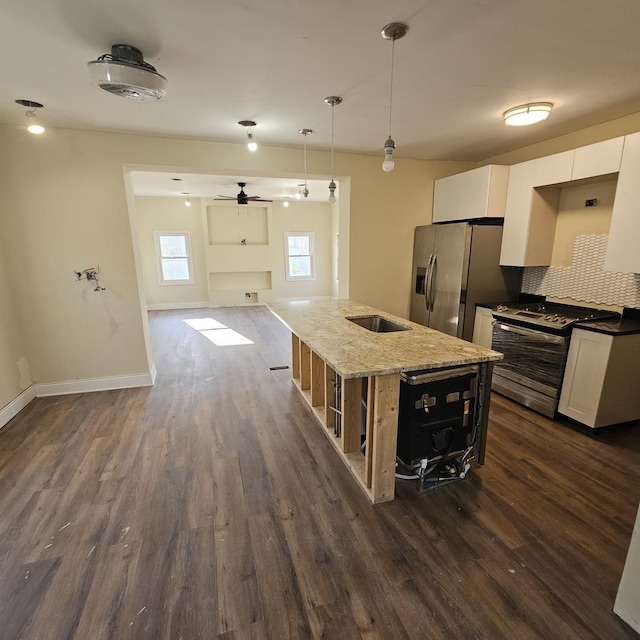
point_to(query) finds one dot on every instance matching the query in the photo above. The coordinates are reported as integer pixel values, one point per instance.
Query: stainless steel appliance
(534, 339)
(456, 266)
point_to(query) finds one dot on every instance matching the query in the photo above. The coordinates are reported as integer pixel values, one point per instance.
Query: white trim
(167, 306)
(96, 384)
(11, 410)
(312, 266)
(188, 257)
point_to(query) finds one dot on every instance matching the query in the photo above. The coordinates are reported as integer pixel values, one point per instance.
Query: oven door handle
(540, 335)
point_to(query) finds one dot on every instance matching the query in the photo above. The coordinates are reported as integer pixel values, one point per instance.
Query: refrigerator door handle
(427, 286)
(432, 279)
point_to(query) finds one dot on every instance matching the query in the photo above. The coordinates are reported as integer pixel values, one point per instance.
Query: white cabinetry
(534, 193)
(483, 327)
(622, 250)
(600, 384)
(479, 193)
(597, 159)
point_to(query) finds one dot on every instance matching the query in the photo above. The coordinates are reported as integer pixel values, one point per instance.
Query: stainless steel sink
(378, 324)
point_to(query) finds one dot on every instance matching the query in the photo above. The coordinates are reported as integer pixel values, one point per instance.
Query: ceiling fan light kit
(527, 114)
(242, 198)
(124, 73)
(392, 31)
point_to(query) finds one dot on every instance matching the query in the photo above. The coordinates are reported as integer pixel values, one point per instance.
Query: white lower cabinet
(600, 384)
(483, 327)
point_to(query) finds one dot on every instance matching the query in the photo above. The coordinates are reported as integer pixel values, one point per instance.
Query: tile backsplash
(585, 280)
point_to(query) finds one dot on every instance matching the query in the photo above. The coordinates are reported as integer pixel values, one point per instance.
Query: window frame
(294, 234)
(160, 258)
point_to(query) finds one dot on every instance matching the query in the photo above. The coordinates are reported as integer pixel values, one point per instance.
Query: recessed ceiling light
(526, 114)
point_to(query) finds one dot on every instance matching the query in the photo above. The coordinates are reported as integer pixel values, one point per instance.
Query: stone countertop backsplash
(353, 351)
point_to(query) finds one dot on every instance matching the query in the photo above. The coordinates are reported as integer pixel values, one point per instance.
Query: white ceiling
(461, 65)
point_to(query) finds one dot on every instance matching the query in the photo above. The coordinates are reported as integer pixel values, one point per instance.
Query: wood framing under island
(350, 377)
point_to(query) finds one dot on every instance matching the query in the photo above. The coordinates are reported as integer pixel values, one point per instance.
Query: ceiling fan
(242, 197)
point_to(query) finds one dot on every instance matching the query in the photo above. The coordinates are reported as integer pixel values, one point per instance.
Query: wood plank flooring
(213, 506)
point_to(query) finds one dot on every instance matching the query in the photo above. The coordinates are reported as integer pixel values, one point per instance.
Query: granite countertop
(620, 327)
(355, 352)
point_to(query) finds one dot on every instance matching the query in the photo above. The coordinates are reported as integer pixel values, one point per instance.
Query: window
(173, 253)
(298, 248)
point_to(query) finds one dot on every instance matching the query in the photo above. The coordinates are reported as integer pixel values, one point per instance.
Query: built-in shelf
(240, 281)
(231, 225)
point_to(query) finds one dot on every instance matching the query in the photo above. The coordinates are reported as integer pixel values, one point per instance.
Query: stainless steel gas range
(534, 339)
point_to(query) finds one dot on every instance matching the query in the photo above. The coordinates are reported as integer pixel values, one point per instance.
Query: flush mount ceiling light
(251, 145)
(527, 114)
(393, 31)
(33, 126)
(124, 73)
(305, 133)
(332, 101)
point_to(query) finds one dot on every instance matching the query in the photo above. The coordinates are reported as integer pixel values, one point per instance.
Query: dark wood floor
(213, 506)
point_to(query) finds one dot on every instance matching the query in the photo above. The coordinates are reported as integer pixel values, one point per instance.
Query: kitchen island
(350, 377)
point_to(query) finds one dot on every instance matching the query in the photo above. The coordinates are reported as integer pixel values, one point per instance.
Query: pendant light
(393, 31)
(187, 202)
(33, 126)
(252, 144)
(305, 133)
(332, 101)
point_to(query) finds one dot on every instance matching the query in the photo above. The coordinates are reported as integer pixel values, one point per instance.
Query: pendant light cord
(393, 48)
(332, 108)
(305, 160)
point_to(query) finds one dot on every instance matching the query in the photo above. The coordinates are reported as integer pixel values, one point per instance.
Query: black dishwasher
(437, 414)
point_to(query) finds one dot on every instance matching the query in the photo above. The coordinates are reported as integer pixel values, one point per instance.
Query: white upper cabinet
(518, 212)
(533, 196)
(479, 193)
(623, 253)
(597, 159)
(553, 169)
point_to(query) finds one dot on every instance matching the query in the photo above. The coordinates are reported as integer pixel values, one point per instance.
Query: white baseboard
(16, 405)
(96, 384)
(168, 306)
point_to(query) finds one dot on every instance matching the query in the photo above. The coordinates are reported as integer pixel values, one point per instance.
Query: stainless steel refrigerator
(456, 266)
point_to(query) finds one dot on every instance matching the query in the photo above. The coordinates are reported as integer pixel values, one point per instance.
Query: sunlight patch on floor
(217, 332)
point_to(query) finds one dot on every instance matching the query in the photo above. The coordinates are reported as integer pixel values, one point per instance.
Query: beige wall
(65, 208)
(170, 214)
(302, 216)
(579, 138)
(14, 373)
(575, 219)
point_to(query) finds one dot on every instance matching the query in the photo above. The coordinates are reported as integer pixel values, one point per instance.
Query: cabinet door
(517, 215)
(553, 169)
(622, 250)
(473, 193)
(584, 376)
(483, 327)
(445, 199)
(597, 159)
